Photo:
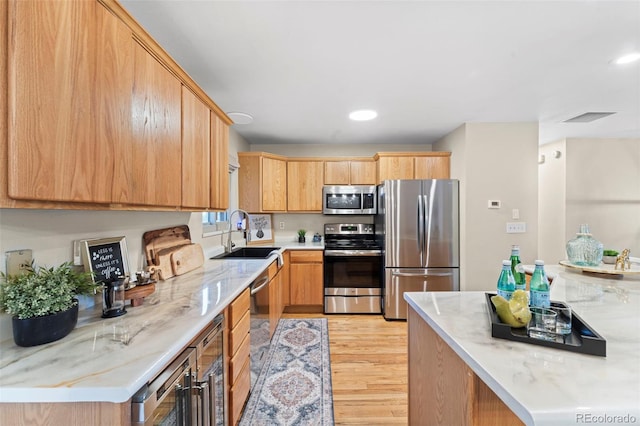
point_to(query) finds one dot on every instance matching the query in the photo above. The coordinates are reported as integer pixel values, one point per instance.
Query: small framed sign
(260, 228)
(107, 258)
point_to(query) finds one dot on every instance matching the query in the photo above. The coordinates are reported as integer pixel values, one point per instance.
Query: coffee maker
(113, 297)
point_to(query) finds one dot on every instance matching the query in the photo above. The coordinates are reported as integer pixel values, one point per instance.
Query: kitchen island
(99, 366)
(459, 374)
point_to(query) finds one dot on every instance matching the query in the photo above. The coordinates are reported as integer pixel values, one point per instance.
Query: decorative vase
(49, 328)
(584, 250)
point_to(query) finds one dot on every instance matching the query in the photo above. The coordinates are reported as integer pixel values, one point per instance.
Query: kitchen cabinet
(262, 182)
(219, 184)
(156, 121)
(350, 172)
(196, 145)
(239, 374)
(306, 277)
(94, 114)
(68, 123)
(412, 165)
(304, 185)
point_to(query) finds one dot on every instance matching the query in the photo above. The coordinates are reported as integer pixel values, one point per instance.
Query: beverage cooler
(190, 391)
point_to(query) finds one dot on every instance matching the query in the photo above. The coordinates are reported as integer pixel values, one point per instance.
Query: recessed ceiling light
(240, 117)
(363, 115)
(627, 59)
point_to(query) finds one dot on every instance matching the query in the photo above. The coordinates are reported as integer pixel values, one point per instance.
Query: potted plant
(609, 256)
(301, 234)
(42, 302)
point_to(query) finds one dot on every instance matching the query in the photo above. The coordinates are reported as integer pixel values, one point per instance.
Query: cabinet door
(362, 173)
(304, 186)
(196, 143)
(219, 197)
(336, 173)
(274, 184)
(436, 167)
(306, 284)
(156, 118)
(69, 72)
(395, 168)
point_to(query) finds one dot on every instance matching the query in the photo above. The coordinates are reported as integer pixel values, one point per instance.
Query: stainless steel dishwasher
(260, 337)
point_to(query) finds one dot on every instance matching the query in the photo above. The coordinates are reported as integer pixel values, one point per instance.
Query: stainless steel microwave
(349, 199)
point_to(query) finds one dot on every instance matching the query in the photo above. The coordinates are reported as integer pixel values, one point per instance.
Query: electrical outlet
(516, 227)
(18, 261)
(281, 225)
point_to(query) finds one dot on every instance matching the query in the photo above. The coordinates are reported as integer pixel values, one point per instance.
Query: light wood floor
(368, 368)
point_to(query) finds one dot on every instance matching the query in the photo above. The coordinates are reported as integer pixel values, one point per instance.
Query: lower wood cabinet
(239, 372)
(306, 277)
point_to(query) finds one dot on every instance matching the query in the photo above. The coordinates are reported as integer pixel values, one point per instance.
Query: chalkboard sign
(107, 258)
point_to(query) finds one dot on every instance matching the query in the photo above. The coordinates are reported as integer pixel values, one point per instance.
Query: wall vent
(588, 117)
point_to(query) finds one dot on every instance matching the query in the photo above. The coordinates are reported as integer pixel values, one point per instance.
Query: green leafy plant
(44, 291)
(302, 232)
(609, 253)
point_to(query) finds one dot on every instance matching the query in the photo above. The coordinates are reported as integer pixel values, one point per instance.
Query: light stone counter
(546, 386)
(110, 359)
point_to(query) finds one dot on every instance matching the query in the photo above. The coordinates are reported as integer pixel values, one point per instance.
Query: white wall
(574, 183)
(494, 161)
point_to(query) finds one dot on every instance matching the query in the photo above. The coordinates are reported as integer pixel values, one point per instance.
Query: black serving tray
(583, 338)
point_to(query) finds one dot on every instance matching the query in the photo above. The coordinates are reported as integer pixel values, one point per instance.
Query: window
(215, 221)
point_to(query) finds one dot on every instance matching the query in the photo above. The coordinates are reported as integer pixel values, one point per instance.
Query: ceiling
(299, 67)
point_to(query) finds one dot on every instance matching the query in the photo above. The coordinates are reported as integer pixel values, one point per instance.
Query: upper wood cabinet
(94, 115)
(156, 121)
(262, 182)
(304, 185)
(412, 165)
(350, 172)
(196, 145)
(70, 70)
(219, 197)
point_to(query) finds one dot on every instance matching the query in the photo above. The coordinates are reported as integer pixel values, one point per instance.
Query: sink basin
(248, 253)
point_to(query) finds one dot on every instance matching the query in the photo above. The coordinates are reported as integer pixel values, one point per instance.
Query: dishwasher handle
(259, 284)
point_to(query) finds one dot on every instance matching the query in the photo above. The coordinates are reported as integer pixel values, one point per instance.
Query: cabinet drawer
(238, 394)
(239, 359)
(305, 256)
(238, 308)
(238, 333)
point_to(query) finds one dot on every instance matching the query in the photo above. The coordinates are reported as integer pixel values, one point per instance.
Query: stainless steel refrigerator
(418, 226)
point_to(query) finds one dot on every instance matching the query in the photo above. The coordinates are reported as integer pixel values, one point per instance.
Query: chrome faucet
(229, 246)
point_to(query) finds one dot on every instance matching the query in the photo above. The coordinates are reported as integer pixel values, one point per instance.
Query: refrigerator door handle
(420, 228)
(422, 274)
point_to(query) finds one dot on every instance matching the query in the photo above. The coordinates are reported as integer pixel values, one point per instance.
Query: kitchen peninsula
(93, 372)
(459, 374)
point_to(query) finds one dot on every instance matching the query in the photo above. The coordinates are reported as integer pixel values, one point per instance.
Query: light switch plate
(18, 261)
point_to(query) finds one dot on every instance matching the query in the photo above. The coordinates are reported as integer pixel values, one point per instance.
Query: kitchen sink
(248, 253)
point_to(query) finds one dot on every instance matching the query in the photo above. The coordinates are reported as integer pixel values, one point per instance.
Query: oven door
(352, 281)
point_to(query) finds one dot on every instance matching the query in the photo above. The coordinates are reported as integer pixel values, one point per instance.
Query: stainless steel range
(353, 269)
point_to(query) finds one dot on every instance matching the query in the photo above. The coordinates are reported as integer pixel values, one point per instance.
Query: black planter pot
(301, 239)
(40, 330)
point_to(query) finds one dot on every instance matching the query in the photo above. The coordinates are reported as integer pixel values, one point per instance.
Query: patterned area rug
(294, 387)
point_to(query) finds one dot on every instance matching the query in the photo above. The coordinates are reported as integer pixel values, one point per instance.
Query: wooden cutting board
(161, 239)
(186, 259)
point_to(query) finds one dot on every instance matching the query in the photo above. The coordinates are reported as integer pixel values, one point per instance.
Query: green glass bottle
(506, 283)
(539, 287)
(516, 268)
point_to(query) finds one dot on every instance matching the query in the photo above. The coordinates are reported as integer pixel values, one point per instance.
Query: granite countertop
(110, 359)
(547, 386)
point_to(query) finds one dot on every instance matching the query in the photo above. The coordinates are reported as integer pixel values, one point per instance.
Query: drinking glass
(542, 324)
(563, 319)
